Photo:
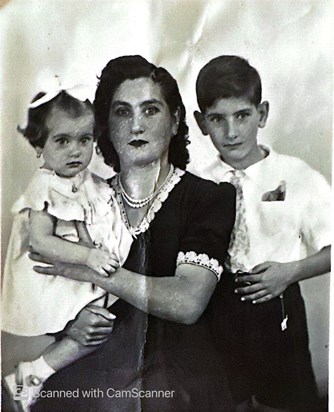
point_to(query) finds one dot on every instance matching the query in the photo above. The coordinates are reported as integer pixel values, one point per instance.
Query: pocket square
(277, 194)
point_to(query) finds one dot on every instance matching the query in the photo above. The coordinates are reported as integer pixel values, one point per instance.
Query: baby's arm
(43, 240)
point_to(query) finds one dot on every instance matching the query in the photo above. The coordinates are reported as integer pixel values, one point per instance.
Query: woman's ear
(263, 110)
(199, 116)
(175, 127)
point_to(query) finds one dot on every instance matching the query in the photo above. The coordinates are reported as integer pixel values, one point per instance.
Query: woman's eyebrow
(152, 101)
(120, 103)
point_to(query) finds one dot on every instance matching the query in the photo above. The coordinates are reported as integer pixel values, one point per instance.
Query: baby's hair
(227, 76)
(36, 131)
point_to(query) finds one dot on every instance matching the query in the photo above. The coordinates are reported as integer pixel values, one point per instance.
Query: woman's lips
(138, 143)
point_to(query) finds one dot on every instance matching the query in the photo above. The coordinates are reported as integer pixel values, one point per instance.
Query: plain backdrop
(288, 41)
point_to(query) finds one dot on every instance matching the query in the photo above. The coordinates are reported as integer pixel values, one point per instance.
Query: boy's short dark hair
(227, 76)
(36, 131)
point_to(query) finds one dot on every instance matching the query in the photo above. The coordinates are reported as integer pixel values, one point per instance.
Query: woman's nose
(137, 126)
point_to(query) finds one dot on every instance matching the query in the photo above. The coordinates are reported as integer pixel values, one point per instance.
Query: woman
(161, 351)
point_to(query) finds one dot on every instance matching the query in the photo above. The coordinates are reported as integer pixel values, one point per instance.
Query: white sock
(41, 368)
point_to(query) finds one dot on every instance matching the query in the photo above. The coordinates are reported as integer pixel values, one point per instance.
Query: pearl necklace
(139, 203)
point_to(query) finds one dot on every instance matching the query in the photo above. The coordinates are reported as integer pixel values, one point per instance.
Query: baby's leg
(64, 352)
(25, 384)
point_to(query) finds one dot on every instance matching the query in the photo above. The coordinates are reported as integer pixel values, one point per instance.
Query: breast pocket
(277, 217)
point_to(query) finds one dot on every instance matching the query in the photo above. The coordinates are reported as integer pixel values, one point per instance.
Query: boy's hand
(92, 326)
(102, 261)
(268, 280)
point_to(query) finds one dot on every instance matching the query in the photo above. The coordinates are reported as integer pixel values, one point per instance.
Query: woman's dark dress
(146, 353)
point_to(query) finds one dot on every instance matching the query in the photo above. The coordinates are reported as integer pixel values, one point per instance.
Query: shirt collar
(226, 169)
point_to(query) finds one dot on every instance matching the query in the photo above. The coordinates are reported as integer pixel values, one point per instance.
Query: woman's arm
(181, 298)
(43, 240)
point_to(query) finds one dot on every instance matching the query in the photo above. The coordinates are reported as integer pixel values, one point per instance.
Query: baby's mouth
(74, 164)
(138, 143)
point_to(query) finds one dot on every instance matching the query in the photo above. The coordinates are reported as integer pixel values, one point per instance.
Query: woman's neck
(141, 181)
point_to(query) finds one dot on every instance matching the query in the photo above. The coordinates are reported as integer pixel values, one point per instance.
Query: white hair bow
(80, 91)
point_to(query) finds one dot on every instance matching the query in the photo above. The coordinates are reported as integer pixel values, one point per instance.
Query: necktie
(239, 242)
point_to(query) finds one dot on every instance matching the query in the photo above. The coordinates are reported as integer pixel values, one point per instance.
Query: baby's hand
(102, 261)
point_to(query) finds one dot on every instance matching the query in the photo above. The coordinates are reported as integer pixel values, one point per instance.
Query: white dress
(35, 304)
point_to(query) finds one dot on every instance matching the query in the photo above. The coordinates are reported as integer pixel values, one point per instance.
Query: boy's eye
(242, 116)
(151, 110)
(216, 119)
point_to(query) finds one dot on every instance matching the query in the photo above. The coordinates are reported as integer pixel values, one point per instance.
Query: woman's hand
(268, 280)
(92, 326)
(67, 270)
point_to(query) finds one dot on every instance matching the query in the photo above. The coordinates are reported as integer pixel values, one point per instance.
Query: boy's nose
(231, 132)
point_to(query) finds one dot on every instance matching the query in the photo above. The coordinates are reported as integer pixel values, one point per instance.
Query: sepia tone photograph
(166, 205)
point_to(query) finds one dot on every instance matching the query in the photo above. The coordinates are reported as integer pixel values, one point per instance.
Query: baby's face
(232, 124)
(69, 146)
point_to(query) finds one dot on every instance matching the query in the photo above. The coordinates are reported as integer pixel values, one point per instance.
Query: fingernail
(254, 302)
(236, 291)
(242, 299)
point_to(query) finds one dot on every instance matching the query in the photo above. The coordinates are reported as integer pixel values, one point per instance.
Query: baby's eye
(86, 139)
(151, 110)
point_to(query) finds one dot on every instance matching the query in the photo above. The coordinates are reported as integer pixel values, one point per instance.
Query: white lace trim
(156, 204)
(201, 260)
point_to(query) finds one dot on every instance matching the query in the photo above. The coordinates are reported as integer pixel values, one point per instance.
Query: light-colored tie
(239, 244)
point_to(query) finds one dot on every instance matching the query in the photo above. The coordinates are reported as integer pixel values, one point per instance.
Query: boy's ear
(263, 110)
(201, 122)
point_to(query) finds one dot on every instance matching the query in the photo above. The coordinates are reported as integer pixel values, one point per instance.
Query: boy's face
(232, 124)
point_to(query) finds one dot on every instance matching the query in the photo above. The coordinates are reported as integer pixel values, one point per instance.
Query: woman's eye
(62, 141)
(151, 111)
(122, 111)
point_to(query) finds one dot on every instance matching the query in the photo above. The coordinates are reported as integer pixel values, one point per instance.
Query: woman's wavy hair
(36, 131)
(129, 68)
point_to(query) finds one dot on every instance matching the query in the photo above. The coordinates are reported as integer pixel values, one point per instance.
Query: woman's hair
(128, 68)
(36, 130)
(227, 76)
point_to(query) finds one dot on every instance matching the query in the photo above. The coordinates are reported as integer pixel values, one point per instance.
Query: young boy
(281, 236)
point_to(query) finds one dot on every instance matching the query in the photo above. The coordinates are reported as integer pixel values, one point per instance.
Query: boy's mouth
(232, 145)
(138, 143)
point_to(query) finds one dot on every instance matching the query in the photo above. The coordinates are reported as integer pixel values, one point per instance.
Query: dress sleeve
(210, 222)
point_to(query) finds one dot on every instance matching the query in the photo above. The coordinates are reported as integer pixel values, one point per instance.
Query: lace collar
(155, 206)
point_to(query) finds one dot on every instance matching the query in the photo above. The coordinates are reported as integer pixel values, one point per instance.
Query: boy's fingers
(254, 297)
(260, 268)
(246, 290)
(248, 278)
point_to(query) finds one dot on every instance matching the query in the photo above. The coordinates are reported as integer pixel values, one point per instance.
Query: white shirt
(286, 230)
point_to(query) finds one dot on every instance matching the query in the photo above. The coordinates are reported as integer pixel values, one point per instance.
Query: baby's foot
(23, 386)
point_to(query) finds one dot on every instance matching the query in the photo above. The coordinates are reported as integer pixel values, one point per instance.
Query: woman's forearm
(180, 298)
